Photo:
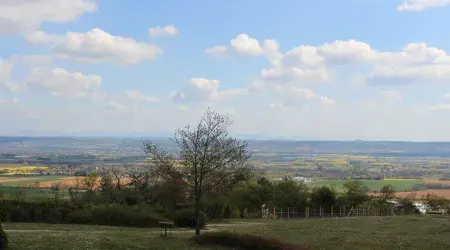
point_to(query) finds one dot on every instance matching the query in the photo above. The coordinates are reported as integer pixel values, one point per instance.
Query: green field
(374, 185)
(400, 232)
(8, 180)
(33, 193)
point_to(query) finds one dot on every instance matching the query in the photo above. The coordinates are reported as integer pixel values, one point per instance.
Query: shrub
(186, 218)
(242, 241)
(53, 216)
(226, 212)
(3, 238)
(245, 213)
(236, 213)
(80, 217)
(115, 216)
(19, 214)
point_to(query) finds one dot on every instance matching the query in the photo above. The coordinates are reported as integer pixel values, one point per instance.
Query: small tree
(90, 181)
(355, 192)
(209, 159)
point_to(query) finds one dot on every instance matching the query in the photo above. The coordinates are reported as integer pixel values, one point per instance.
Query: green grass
(400, 232)
(374, 185)
(32, 193)
(46, 236)
(29, 179)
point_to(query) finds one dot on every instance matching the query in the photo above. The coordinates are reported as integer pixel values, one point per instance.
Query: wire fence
(331, 211)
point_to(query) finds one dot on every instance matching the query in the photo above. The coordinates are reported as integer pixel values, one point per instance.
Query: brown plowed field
(418, 194)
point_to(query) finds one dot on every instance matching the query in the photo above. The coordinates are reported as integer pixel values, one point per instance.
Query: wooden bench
(165, 225)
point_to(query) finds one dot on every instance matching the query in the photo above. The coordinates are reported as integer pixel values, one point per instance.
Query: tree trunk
(197, 216)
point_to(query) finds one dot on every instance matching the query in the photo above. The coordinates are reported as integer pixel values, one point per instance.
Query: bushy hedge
(3, 238)
(115, 215)
(186, 218)
(242, 241)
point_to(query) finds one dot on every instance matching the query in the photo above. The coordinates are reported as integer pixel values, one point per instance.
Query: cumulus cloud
(416, 63)
(419, 5)
(136, 95)
(243, 44)
(204, 90)
(25, 16)
(96, 46)
(168, 30)
(62, 83)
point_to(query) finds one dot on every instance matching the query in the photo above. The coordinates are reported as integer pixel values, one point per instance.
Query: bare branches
(209, 159)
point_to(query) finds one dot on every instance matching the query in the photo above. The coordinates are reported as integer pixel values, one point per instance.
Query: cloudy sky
(337, 70)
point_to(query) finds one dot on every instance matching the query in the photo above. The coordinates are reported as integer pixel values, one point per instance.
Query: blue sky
(337, 70)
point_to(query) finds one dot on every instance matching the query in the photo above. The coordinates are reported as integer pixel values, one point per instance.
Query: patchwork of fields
(375, 185)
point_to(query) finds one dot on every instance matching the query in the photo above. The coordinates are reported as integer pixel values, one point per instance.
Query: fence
(330, 211)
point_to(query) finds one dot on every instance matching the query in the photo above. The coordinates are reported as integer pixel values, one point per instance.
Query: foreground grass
(401, 232)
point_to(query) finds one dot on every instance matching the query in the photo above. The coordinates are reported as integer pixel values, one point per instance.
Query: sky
(291, 69)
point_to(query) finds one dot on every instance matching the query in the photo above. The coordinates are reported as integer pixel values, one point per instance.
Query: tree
(290, 193)
(323, 196)
(356, 192)
(209, 159)
(435, 202)
(90, 181)
(387, 192)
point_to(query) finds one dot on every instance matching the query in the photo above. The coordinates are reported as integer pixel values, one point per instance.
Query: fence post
(307, 212)
(281, 213)
(288, 213)
(331, 208)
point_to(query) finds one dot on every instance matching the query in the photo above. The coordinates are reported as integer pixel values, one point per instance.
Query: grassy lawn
(375, 185)
(401, 232)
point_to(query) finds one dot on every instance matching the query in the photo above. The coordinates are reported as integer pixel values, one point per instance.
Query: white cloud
(419, 5)
(204, 90)
(136, 95)
(62, 83)
(97, 46)
(447, 95)
(25, 16)
(245, 45)
(391, 95)
(327, 100)
(416, 63)
(9, 101)
(219, 50)
(168, 30)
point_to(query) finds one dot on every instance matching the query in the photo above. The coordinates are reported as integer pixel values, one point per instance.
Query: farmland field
(375, 185)
(15, 181)
(418, 194)
(400, 232)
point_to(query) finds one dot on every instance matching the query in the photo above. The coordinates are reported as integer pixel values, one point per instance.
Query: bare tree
(75, 188)
(208, 161)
